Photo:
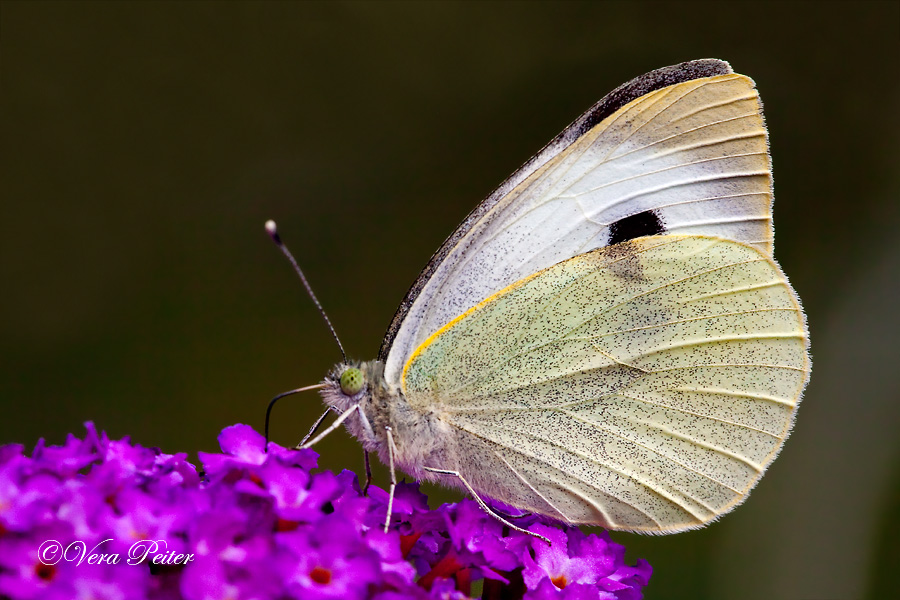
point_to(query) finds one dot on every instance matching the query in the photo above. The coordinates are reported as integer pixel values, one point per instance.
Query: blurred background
(145, 144)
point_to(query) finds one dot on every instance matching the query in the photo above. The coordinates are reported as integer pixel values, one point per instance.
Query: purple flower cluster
(107, 519)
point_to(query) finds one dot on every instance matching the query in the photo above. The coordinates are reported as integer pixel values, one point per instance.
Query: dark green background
(144, 145)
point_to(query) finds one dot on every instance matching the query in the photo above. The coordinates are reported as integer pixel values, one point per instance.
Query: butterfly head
(352, 382)
(345, 385)
(356, 384)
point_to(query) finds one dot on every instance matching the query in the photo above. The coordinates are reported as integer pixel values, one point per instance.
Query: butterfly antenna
(272, 230)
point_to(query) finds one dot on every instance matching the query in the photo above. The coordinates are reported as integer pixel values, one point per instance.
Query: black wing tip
(695, 69)
(650, 82)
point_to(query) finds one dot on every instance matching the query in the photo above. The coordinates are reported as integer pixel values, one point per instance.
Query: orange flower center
(559, 581)
(45, 572)
(320, 575)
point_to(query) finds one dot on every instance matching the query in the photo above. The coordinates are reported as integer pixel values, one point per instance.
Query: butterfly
(606, 339)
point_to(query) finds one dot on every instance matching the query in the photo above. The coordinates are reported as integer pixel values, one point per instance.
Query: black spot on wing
(635, 226)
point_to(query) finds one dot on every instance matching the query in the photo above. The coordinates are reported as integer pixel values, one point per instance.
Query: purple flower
(109, 519)
(585, 566)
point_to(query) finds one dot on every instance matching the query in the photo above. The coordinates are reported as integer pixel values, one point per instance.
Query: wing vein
(696, 442)
(656, 452)
(701, 342)
(667, 284)
(573, 475)
(696, 414)
(675, 184)
(786, 367)
(669, 168)
(736, 394)
(711, 105)
(736, 290)
(536, 491)
(686, 131)
(663, 494)
(666, 406)
(678, 321)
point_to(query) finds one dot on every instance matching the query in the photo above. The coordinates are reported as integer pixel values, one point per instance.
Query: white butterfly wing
(679, 150)
(644, 386)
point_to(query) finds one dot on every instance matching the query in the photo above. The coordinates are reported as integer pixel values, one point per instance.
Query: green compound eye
(352, 381)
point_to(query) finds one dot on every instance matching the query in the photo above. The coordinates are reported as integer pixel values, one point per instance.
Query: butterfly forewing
(643, 386)
(687, 158)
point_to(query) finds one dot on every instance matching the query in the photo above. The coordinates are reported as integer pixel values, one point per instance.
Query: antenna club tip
(272, 230)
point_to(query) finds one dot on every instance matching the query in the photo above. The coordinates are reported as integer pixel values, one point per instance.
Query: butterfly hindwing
(644, 386)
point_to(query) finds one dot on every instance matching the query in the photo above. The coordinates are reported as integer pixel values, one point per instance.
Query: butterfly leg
(312, 430)
(482, 503)
(340, 419)
(391, 448)
(506, 515)
(368, 473)
(337, 423)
